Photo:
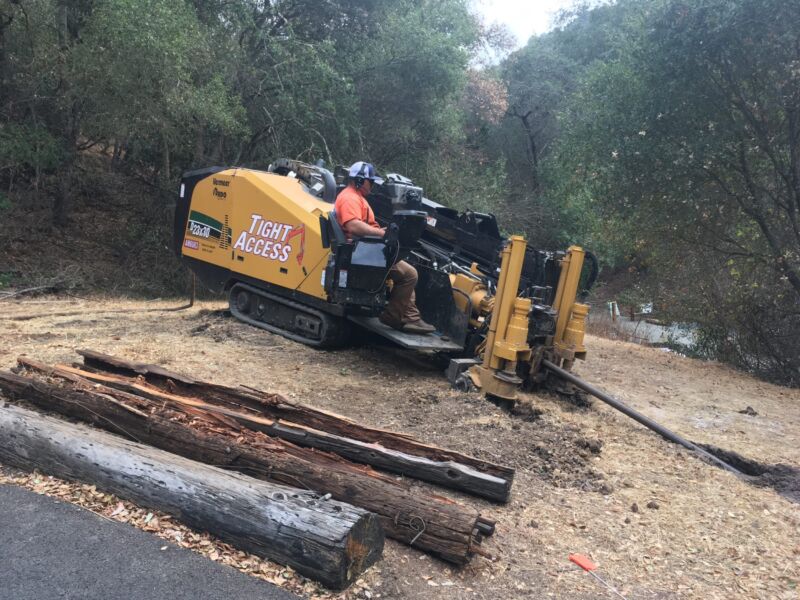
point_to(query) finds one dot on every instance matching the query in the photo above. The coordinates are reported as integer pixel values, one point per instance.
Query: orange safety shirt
(350, 204)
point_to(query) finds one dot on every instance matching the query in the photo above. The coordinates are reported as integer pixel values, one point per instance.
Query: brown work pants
(402, 307)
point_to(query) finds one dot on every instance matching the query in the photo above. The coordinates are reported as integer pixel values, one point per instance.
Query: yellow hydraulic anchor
(506, 342)
(571, 323)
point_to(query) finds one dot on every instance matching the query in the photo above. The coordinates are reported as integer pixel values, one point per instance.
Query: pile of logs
(264, 437)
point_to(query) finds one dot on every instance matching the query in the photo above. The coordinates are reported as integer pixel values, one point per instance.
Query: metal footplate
(412, 341)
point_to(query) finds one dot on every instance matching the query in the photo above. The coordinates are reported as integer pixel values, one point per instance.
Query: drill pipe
(637, 416)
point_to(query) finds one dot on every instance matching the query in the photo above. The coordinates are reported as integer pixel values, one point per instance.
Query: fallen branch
(7, 295)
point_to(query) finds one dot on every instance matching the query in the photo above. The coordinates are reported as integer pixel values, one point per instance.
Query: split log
(329, 541)
(431, 523)
(437, 465)
(448, 473)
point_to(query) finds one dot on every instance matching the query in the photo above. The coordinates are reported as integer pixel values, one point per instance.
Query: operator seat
(339, 238)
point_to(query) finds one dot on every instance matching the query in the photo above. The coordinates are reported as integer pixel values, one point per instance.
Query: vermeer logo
(203, 226)
(193, 244)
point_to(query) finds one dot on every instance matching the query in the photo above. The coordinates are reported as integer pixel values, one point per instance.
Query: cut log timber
(326, 540)
(394, 452)
(431, 523)
(446, 473)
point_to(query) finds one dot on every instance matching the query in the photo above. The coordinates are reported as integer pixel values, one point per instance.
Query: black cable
(385, 277)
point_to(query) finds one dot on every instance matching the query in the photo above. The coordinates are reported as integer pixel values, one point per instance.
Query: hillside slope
(117, 239)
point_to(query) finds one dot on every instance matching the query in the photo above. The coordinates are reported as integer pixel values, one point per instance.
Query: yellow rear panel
(261, 225)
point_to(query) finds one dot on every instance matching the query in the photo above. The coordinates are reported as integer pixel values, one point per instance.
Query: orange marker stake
(587, 565)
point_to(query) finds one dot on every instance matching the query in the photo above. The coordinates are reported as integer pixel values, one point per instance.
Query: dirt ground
(657, 521)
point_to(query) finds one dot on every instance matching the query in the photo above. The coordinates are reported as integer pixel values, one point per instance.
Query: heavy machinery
(271, 241)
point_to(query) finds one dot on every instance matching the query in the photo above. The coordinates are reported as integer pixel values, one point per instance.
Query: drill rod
(637, 416)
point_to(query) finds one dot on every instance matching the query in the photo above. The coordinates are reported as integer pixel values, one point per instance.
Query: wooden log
(431, 523)
(438, 465)
(326, 540)
(449, 474)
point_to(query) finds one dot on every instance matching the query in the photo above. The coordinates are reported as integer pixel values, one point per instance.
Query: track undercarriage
(288, 318)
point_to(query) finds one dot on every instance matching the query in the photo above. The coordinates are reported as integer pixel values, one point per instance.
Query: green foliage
(164, 86)
(144, 83)
(685, 142)
(410, 74)
(26, 146)
(661, 134)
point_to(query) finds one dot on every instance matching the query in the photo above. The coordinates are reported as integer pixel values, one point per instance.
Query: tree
(153, 105)
(409, 75)
(539, 79)
(689, 142)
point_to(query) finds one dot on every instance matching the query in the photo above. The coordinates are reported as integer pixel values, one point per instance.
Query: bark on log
(448, 474)
(431, 523)
(438, 465)
(328, 541)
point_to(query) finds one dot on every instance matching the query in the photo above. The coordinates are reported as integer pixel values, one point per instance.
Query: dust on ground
(659, 522)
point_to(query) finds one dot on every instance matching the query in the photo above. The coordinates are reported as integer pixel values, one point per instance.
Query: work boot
(390, 321)
(418, 326)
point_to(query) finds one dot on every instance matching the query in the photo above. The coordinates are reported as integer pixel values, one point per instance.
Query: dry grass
(610, 330)
(695, 531)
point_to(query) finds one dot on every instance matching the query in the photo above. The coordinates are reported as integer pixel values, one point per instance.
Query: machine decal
(203, 226)
(193, 244)
(218, 193)
(269, 239)
(301, 231)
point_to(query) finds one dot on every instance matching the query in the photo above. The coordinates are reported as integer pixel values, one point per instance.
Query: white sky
(523, 18)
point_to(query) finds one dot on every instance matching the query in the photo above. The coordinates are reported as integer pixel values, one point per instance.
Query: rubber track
(331, 334)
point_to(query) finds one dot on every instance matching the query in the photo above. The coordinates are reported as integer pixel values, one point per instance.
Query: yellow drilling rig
(271, 241)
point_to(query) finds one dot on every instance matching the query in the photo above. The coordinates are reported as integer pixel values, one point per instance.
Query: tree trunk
(166, 168)
(5, 22)
(61, 200)
(199, 148)
(308, 426)
(533, 152)
(430, 523)
(69, 128)
(326, 540)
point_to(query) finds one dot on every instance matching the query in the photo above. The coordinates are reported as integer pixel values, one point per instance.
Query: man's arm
(358, 228)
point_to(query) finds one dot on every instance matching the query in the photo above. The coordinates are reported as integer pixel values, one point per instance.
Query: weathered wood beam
(326, 540)
(438, 465)
(431, 523)
(445, 473)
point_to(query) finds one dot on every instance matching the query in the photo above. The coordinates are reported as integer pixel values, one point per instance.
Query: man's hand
(357, 228)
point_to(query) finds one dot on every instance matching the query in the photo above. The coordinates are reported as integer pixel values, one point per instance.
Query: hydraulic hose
(637, 416)
(329, 191)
